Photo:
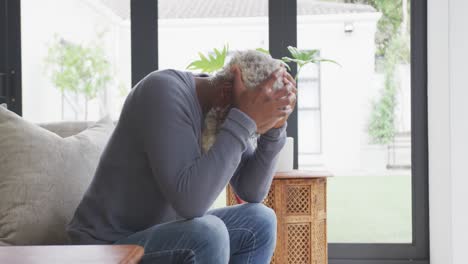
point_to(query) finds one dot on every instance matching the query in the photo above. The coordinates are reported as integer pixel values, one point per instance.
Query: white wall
(448, 130)
(458, 43)
(180, 40)
(346, 91)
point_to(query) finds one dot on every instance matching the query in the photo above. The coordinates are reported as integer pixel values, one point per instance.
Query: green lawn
(369, 209)
(366, 209)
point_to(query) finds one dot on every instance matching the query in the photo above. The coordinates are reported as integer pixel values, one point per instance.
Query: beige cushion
(66, 129)
(43, 177)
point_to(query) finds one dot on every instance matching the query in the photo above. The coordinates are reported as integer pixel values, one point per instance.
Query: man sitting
(155, 182)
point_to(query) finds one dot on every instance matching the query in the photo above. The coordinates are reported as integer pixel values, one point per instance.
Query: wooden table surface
(105, 254)
(302, 174)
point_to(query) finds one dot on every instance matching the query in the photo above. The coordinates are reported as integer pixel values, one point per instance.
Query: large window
(365, 115)
(373, 121)
(365, 121)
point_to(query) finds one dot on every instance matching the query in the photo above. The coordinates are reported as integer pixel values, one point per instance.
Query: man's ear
(227, 84)
(227, 93)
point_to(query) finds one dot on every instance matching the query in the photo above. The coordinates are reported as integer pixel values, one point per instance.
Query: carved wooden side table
(299, 200)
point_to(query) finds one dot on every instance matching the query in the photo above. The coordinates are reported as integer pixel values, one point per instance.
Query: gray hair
(255, 67)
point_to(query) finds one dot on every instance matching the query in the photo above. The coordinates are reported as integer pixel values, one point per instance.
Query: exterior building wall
(346, 91)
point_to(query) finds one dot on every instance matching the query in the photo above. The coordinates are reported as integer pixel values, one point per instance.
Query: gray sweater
(153, 171)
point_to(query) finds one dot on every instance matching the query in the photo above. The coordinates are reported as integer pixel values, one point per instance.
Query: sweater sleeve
(253, 179)
(189, 180)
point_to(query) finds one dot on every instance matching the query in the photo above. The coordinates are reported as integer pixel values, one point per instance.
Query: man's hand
(263, 105)
(290, 86)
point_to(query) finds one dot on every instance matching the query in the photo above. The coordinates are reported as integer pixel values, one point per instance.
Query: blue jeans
(236, 234)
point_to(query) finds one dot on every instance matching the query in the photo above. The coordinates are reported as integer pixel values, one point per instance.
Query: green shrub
(78, 69)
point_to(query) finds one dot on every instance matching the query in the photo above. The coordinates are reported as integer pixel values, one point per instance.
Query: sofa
(44, 171)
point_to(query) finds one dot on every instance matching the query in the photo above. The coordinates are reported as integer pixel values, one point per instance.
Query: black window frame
(10, 55)
(282, 32)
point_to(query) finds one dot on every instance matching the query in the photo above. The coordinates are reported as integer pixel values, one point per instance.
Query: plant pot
(286, 157)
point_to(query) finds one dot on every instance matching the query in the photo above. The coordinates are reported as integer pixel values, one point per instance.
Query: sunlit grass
(365, 209)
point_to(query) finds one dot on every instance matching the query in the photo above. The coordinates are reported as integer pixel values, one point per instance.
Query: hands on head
(267, 107)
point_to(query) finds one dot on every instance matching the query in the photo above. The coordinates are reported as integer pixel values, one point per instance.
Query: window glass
(358, 115)
(310, 136)
(75, 58)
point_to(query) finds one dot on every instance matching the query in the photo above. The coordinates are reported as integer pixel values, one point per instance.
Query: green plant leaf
(304, 57)
(327, 60)
(310, 53)
(214, 62)
(299, 62)
(285, 64)
(263, 50)
(294, 52)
